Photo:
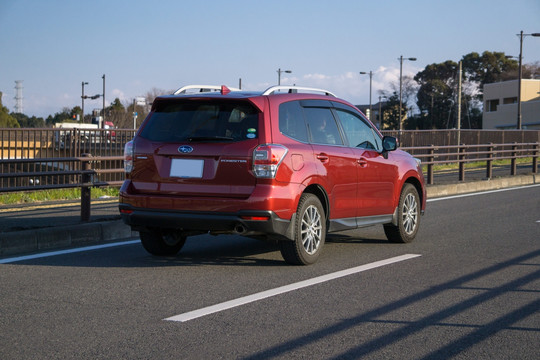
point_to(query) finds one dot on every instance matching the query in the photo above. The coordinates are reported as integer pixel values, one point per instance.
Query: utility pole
(134, 114)
(459, 106)
(82, 101)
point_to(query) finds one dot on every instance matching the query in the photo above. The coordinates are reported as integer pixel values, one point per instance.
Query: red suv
(288, 164)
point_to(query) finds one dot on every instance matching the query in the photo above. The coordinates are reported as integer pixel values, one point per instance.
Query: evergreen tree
(28, 122)
(6, 120)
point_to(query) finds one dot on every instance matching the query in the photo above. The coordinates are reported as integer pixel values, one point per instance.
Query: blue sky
(140, 45)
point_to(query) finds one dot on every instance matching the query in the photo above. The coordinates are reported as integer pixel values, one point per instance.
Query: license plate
(185, 168)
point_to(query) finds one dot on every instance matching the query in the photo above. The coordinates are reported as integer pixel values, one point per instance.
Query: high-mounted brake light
(225, 90)
(266, 160)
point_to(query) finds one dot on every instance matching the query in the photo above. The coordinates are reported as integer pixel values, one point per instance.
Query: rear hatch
(197, 147)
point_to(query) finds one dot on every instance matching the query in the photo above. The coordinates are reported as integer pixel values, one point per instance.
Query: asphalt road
(469, 289)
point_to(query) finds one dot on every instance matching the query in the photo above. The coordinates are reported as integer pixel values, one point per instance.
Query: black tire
(309, 233)
(408, 217)
(162, 243)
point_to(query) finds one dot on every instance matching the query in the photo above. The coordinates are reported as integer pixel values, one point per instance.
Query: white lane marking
(284, 289)
(67, 251)
(481, 193)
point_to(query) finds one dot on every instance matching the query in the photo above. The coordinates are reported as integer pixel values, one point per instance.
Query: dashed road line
(284, 289)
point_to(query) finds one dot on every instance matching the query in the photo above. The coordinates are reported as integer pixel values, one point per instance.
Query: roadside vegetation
(51, 195)
(474, 165)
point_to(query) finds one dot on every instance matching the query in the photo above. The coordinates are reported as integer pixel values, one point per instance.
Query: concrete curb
(26, 241)
(434, 191)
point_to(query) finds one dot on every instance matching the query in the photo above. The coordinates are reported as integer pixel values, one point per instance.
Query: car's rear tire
(408, 217)
(309, 233)
(162, 243)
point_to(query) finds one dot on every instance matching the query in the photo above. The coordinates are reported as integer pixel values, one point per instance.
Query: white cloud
(316, 78)
(117, 93)
(354, 87)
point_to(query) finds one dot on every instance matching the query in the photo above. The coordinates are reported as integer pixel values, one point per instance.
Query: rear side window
(201, 121)
(291, 121)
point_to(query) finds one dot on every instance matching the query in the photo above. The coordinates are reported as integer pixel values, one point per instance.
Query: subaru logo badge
(185, 149)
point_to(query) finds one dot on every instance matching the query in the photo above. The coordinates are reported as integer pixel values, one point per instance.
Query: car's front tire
(408, 220)
(309, 233)
(162, 243)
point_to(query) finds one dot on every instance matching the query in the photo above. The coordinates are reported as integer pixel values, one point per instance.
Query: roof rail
(295, 89)
(202, 88)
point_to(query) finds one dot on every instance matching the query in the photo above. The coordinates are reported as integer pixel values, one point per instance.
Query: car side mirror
(389, 143)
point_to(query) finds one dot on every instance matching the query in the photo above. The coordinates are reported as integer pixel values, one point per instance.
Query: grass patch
(56, 194)
(475, 164)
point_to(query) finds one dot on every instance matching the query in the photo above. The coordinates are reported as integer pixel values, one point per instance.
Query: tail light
(266, 160)
(128, 157)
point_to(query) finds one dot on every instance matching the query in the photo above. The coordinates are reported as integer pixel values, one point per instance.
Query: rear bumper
(248, 223)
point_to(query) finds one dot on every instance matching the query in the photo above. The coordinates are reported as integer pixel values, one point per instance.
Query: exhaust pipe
(239, 229)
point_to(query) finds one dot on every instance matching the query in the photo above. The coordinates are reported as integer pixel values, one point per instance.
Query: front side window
(358, 132)
(322, 126)
(201, 121)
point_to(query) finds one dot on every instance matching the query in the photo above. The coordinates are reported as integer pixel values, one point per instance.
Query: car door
(336, 163)
(376, 173)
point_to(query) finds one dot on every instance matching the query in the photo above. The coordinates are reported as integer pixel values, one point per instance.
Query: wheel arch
(319, 191)
(418, 185)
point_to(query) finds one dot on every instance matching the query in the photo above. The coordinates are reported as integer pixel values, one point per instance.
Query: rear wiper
(210, 138)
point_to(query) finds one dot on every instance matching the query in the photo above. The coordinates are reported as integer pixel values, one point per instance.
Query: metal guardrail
(81, 172)
(460, 154)
(56, 158)
(85, 170)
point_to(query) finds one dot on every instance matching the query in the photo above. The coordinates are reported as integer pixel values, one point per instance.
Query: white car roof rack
(201, 88)
(295, 89)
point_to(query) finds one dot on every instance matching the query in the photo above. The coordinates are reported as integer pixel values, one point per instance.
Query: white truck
(83, 133)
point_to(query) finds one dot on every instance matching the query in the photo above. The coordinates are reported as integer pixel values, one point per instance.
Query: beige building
(500, 105)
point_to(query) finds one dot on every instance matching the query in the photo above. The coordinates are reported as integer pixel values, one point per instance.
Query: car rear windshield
(196, 120)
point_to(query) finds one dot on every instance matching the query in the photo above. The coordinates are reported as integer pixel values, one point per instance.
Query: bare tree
(155, 92)
(409, 89)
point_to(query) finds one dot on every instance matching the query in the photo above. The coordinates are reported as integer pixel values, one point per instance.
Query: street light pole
(460, 74)
(380, 112)
(520, 74)
(82, 101)
(520, 77)
(400, 87)
(103, 120)
(370, 82)
(279, 71)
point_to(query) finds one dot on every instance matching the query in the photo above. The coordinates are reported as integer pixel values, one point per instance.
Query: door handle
(323, 157)
(362, 162)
